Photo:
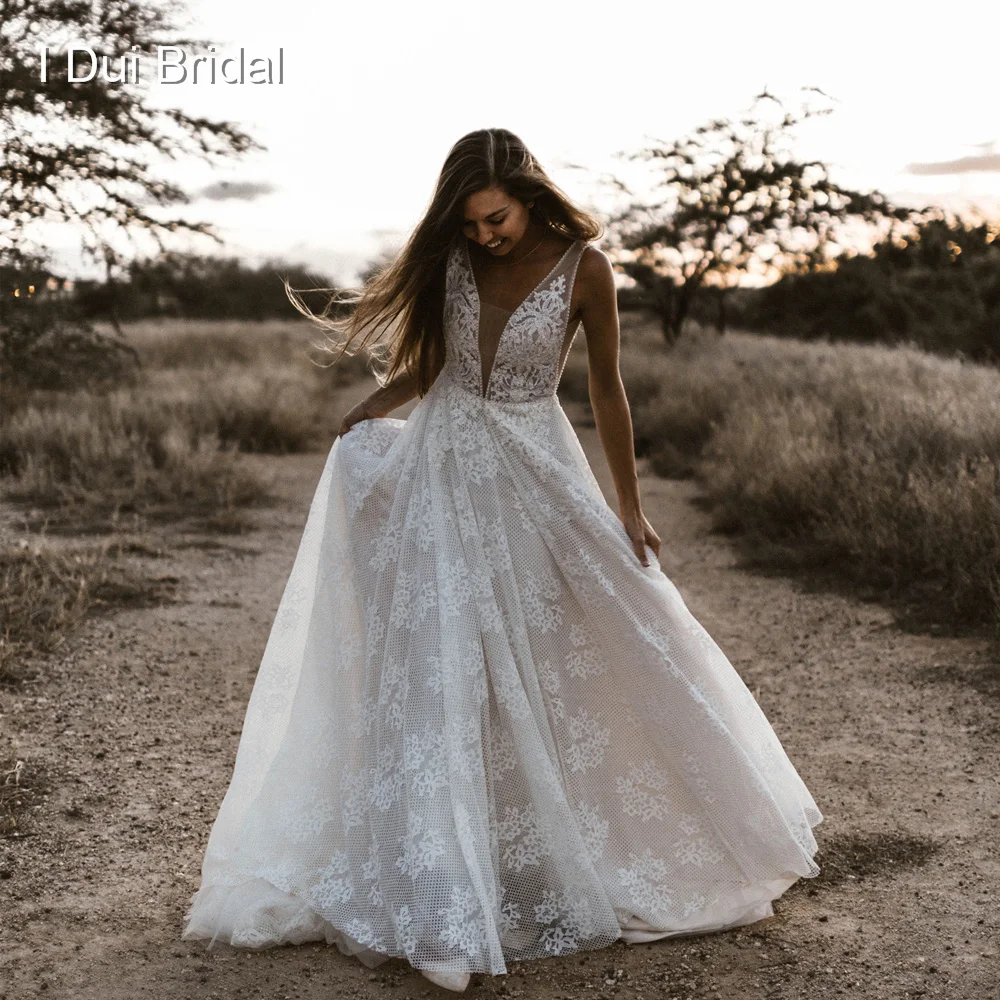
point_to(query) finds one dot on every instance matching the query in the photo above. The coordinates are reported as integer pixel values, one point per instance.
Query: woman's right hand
(363, 411)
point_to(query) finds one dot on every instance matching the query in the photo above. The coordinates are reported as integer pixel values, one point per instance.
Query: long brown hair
(401, 307)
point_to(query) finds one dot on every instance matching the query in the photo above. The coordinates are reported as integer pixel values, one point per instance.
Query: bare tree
(735, 196)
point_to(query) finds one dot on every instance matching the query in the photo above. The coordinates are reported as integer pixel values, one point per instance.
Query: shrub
(880, 464)
(42, 346)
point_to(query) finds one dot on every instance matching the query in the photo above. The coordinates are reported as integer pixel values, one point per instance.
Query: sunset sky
(374, 96)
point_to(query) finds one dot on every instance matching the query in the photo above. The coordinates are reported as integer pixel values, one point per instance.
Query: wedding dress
(481, 730)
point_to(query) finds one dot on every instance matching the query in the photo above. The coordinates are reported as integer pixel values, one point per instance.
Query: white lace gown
(481, 731)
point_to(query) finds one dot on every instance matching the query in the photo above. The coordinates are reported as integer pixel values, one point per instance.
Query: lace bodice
(529, 354)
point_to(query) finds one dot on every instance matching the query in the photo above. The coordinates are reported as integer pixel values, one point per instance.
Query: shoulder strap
(571, 264)
(571, 258)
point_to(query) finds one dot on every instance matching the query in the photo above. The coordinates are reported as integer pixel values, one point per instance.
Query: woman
(486, 728)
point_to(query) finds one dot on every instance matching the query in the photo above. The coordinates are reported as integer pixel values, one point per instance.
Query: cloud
(236, 190)
(986, 162)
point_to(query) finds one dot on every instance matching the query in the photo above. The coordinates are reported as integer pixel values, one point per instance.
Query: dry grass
(174, 345)
(265, 387)
(168, 447)
(165, 449)
(88, 456)
(878, 465)
(45, 592)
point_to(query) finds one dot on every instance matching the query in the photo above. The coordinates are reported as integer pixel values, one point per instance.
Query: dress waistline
(536, 401)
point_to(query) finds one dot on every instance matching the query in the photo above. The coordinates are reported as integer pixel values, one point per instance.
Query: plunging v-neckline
(485, 385)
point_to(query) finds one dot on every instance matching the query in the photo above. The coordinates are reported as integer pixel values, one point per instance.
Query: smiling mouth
(493, 246)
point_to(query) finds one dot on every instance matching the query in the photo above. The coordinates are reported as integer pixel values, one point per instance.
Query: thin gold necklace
(519, 259)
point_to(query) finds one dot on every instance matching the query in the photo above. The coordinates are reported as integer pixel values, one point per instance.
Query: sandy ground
(135, 730)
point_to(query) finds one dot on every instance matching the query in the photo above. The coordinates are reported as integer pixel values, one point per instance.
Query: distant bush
(46, 343)
(189, 286)
(939, 291)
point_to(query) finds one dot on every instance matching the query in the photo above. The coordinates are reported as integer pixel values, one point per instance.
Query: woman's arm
(599, 310)
(382, 401)
(403, 387)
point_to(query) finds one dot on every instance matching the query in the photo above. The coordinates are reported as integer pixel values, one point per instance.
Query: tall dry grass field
(878, 465)
(169, 445)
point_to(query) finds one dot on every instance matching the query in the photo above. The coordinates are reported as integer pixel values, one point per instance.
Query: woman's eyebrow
(490, 216)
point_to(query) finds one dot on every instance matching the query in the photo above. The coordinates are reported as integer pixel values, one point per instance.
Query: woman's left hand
(641, 533)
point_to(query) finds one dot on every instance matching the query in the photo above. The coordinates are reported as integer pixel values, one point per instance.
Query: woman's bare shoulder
(594, 260)
(595, 270)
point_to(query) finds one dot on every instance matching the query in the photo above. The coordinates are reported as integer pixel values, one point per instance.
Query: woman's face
(495, 220)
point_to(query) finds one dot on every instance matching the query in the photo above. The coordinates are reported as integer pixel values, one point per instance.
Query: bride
(486, 728)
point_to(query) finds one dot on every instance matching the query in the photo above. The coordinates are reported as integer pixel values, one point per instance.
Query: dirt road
(134, 731)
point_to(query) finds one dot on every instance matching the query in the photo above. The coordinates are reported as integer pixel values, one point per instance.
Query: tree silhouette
(86, 153)
(934, 284)
(736, 198)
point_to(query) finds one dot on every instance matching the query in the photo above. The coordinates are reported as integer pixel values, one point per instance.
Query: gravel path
(135, 729)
